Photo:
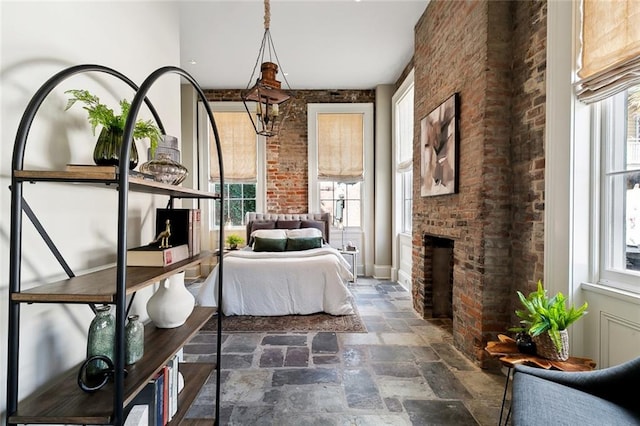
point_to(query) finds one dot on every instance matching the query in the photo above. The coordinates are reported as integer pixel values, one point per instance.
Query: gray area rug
(291, 323)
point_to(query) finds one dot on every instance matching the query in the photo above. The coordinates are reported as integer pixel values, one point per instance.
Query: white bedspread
(281, 283)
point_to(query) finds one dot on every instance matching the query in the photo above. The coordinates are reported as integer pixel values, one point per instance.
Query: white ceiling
(321, 44)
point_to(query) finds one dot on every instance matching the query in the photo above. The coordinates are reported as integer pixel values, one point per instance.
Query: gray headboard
(251, 217)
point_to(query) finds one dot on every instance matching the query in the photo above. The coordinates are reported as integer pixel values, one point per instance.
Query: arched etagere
(62, 401)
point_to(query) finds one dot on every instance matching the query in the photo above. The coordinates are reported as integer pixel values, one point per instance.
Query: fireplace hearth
(438, 276)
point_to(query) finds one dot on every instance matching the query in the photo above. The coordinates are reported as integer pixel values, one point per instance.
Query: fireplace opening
(438, 276)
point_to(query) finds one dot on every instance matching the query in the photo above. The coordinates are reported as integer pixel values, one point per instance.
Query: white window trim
(396, 187)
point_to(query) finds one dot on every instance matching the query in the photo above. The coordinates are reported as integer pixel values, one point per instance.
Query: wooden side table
(506, 350)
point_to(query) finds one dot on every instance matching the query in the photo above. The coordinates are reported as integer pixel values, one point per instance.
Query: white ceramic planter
(171, 304)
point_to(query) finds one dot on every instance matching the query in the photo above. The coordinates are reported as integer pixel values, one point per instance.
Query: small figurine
(163, 236)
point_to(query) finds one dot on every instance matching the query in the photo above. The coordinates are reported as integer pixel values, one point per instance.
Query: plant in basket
(546, 320)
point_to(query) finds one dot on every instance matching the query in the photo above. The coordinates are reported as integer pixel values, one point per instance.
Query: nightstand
(351, 256)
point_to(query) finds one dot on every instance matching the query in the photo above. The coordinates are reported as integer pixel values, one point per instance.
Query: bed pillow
(279, 234)
(304, 233)
(307, 243)
(288, 224)
(317, 224)
(260, 224)
(269, 244)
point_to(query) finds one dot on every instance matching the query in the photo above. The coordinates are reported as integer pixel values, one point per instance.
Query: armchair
(603, 397)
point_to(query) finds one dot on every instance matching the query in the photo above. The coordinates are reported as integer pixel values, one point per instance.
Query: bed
(266, 278)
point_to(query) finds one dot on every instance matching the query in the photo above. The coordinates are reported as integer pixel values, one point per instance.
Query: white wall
(39, 39)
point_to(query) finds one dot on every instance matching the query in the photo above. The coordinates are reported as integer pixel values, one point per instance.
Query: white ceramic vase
(171, 304)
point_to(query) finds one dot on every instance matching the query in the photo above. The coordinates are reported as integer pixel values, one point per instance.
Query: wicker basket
(546, 349)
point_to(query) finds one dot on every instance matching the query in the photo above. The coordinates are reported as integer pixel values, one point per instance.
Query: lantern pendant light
(272, 102)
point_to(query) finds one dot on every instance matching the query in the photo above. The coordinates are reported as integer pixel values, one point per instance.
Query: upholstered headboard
(288, 221)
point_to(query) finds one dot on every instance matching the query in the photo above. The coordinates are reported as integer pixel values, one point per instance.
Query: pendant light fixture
(272, 102)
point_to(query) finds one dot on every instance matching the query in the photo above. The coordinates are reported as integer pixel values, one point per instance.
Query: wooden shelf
(100, 286)
(63, 402)
(195, 376)
(110, 178)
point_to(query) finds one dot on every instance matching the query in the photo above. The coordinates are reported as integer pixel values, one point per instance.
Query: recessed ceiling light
(193, 62)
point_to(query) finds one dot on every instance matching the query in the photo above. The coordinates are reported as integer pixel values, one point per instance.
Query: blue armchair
(601, 397)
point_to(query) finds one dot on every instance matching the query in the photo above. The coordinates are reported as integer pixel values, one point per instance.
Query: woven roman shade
(238, 140)
(610, 51)
(340, 147)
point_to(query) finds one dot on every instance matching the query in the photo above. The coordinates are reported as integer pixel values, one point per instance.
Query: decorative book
(151, 255)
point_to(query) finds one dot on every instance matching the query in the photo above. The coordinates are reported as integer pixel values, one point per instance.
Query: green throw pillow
(297, 244)
(269, 244)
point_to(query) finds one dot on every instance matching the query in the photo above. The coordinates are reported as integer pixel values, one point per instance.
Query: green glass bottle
(134, 340)
(101, 338)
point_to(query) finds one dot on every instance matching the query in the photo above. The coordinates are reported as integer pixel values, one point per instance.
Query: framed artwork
(439, 142)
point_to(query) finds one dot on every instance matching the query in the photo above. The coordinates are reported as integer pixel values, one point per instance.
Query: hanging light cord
(267, 14)
(268, 43)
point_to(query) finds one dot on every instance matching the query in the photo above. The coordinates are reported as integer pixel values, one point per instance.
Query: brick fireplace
(473, 249)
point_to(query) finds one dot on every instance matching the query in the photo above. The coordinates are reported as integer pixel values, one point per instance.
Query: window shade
(340, 147)
(238, 141)
(610, 51)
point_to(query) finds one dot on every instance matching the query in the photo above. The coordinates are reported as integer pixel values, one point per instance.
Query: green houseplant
(107, 147)
(233, 240)
(547, 316)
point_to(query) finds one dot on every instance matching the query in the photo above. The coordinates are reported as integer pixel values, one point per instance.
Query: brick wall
(287, 163)
(493, 54)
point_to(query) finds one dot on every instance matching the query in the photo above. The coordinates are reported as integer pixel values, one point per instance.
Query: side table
(506, 350)
(354, 261)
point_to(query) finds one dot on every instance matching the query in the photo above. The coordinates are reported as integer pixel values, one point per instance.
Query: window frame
(612, 121)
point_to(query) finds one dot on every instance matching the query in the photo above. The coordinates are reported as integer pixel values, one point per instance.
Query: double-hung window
(341, 167)
(242, 165)
(619, 188)
(404, 158)
(609, 80)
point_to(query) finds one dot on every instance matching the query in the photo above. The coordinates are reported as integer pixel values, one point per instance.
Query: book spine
(165, 395)
(197, 223)
(191, 233)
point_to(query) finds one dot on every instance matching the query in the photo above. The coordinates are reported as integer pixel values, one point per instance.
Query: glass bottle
(134, 340)
(101, 338)
(165, 170)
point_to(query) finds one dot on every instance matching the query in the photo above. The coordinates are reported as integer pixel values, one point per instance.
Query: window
(244, 168)
(342, 200)
(339, 135)
(620, 188)
(404, 157)
(241, 198)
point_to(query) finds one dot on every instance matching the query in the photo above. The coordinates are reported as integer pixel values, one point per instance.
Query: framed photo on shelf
(439, 142)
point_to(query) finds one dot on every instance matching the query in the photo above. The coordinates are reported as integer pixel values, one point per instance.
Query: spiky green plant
(544, 314)
(100, 114)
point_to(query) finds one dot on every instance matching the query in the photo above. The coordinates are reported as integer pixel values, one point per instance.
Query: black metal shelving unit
(41, 407)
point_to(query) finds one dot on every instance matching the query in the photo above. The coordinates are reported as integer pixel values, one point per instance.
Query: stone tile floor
(404, 371)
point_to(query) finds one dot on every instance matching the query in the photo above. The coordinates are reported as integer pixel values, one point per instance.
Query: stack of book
(159, 398)
(185, 227)
(184, 239)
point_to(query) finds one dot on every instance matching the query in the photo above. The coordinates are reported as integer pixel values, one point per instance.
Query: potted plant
(233, 240)
(107, 149)
(546, 320)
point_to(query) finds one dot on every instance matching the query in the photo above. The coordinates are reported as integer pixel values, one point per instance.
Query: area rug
(291, 323)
